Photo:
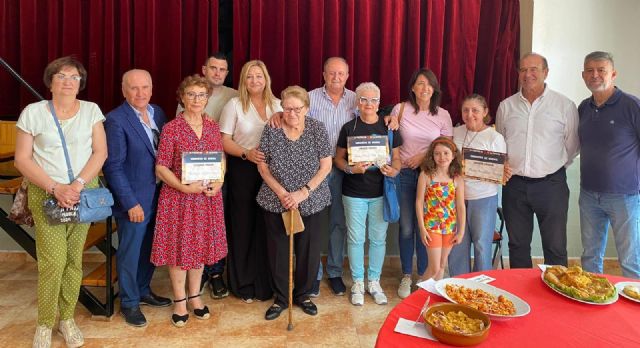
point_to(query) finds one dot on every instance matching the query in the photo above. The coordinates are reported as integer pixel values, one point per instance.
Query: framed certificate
(370, 148)
(203, 166)
(484, 165)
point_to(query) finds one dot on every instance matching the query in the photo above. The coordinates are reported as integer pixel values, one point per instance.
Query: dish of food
(629, 290)
(449, 315)
(455, 322)
(579, 285)
(495, 302)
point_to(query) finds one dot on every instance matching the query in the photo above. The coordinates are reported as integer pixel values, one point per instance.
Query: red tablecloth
(554, 320)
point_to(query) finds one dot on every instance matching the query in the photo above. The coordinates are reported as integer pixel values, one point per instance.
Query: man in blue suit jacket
(133, 130)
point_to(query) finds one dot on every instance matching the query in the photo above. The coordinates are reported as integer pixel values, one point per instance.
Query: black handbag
(95, 203)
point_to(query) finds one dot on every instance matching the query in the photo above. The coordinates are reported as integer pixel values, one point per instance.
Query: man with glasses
(609, 168)
(133, 130)
(215, 70)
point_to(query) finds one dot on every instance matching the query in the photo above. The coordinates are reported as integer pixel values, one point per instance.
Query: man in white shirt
(540, 127)
(216, 69)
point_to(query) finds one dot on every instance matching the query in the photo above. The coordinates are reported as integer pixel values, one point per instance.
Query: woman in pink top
(421, 121)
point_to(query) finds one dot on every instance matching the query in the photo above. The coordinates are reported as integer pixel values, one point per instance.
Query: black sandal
(200, 313)
(179, 320)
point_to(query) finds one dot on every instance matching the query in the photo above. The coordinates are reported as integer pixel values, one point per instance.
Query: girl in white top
(241, 123)
(481, 197)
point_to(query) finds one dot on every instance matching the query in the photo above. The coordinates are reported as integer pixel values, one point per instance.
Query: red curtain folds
(471, 45)
(169, 38)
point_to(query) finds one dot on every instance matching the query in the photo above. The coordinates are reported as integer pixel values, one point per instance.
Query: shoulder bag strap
(64, 143)
(400, 113)
(390, 137)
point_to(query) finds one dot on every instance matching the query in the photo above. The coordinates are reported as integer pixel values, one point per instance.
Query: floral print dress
(190, 229)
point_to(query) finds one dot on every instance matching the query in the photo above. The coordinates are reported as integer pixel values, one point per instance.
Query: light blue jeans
(337, 227)
(481, 223)
(362, 214)
(409, 233)
(597, 210)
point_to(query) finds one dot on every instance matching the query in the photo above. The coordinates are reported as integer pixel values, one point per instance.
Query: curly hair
(428, 166)
(193, 80)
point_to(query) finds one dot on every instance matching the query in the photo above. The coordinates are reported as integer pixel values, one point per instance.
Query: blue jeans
(337, 227)
(481, 223)
(362, 214)
(597, 210)
(409, 233)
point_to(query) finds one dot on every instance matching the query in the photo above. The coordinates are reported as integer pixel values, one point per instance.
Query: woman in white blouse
(40, 158)
(241, 124)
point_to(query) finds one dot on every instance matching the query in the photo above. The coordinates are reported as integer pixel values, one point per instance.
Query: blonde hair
(267, 94)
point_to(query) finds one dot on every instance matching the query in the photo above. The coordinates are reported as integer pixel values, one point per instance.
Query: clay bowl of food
(456, 324)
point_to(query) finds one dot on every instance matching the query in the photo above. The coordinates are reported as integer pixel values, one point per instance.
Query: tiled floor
(233, 323)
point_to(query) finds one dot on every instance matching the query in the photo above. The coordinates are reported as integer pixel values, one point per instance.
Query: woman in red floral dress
(190, 230)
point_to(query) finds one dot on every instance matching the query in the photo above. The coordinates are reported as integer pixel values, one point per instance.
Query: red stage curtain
(170, 38)
(471, 45)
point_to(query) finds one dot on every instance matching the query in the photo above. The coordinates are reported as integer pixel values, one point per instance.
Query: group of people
(291, 154)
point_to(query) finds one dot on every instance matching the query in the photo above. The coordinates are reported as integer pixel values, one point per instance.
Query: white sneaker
(404, 290)
(71, 333)
(42, 338)
(376, 292)
(357, 293)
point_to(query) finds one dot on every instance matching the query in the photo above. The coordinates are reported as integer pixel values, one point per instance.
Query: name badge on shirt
(206, 166)
(370, 148)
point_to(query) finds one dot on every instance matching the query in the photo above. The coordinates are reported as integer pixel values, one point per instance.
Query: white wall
(564, 32)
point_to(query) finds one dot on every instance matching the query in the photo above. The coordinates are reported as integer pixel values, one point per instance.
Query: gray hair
(545, 64)
(367, 86)
(599, 55)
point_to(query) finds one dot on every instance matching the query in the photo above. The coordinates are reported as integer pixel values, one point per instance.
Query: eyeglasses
(294, 110)
(156, 138)
(196, 96)
(370, 101)
(63, 77)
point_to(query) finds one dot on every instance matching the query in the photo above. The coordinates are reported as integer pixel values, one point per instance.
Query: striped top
(332, 116)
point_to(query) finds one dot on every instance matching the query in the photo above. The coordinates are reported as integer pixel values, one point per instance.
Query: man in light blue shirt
(334, 105)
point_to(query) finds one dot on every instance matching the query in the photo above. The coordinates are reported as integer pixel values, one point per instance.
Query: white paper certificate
(370, 148)
(484, 165)
(203, 166)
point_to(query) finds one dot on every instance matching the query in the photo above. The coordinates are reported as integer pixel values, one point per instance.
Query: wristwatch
(308, 187)
(81, 181)
(348, 169)
(244, 155)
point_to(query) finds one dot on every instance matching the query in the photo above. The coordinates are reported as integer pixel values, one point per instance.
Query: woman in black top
(362, 195)
(297, 162)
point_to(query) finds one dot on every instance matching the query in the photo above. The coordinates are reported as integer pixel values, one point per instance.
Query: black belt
(528, 179)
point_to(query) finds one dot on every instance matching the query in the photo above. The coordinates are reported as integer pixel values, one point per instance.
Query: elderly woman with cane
(297, 162)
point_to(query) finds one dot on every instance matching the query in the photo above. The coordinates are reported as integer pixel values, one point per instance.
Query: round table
(554, 320)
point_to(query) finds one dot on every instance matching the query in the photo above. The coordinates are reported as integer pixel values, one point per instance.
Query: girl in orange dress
(440, 205)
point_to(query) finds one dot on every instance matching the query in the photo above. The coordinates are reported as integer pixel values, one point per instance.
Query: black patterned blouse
(293, 164)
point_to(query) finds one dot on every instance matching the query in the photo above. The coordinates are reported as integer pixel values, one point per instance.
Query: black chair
(497, 241)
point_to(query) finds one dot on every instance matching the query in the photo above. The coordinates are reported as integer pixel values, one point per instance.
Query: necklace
(464, 142)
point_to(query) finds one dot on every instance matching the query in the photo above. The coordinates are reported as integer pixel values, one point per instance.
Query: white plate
(522, 308)
(610, 301)
(620, 286)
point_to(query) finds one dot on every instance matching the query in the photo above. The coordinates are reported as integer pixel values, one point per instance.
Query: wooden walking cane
(290, 326)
